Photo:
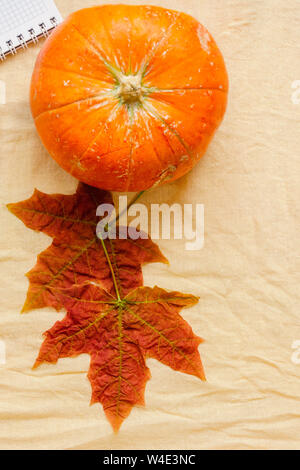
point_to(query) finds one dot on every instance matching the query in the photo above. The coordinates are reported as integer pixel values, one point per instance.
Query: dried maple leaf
(76, 254)
(119, 334)
(110, 314)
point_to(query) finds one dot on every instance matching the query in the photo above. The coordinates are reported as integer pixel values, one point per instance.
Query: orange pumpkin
(128, 97)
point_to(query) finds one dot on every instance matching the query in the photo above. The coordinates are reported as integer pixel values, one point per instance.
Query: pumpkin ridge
(53, 67)
(153, 52)
(171, 105)
(151, 139)
(72, 103)
(95, 138)
(97, 51)
(162, 133)
(130, 159)
(170, 90)
(111, 45)
(167, 126)
(91, 45)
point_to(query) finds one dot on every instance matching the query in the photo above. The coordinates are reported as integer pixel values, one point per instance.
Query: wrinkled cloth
(247, 274)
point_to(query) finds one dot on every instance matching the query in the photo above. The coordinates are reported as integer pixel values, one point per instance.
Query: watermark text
(161, 221)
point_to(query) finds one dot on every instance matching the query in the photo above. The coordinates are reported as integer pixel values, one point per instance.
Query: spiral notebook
(25, 21)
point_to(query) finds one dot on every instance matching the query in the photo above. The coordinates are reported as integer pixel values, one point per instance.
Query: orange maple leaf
(110, 314)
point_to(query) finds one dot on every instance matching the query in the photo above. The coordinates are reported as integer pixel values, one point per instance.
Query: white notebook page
(22, 21)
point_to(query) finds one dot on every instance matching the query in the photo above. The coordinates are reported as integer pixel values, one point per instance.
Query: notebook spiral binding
(34, 38)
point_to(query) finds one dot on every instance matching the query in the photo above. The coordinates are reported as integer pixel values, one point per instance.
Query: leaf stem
(133, 201)
(137, 196)
(111, 269)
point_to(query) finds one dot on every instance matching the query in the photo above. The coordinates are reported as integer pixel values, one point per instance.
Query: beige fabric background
(247, 274)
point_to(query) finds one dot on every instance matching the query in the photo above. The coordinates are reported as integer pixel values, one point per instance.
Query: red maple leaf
(110, 314)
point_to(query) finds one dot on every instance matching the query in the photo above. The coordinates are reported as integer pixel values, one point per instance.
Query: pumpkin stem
(130, 90)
